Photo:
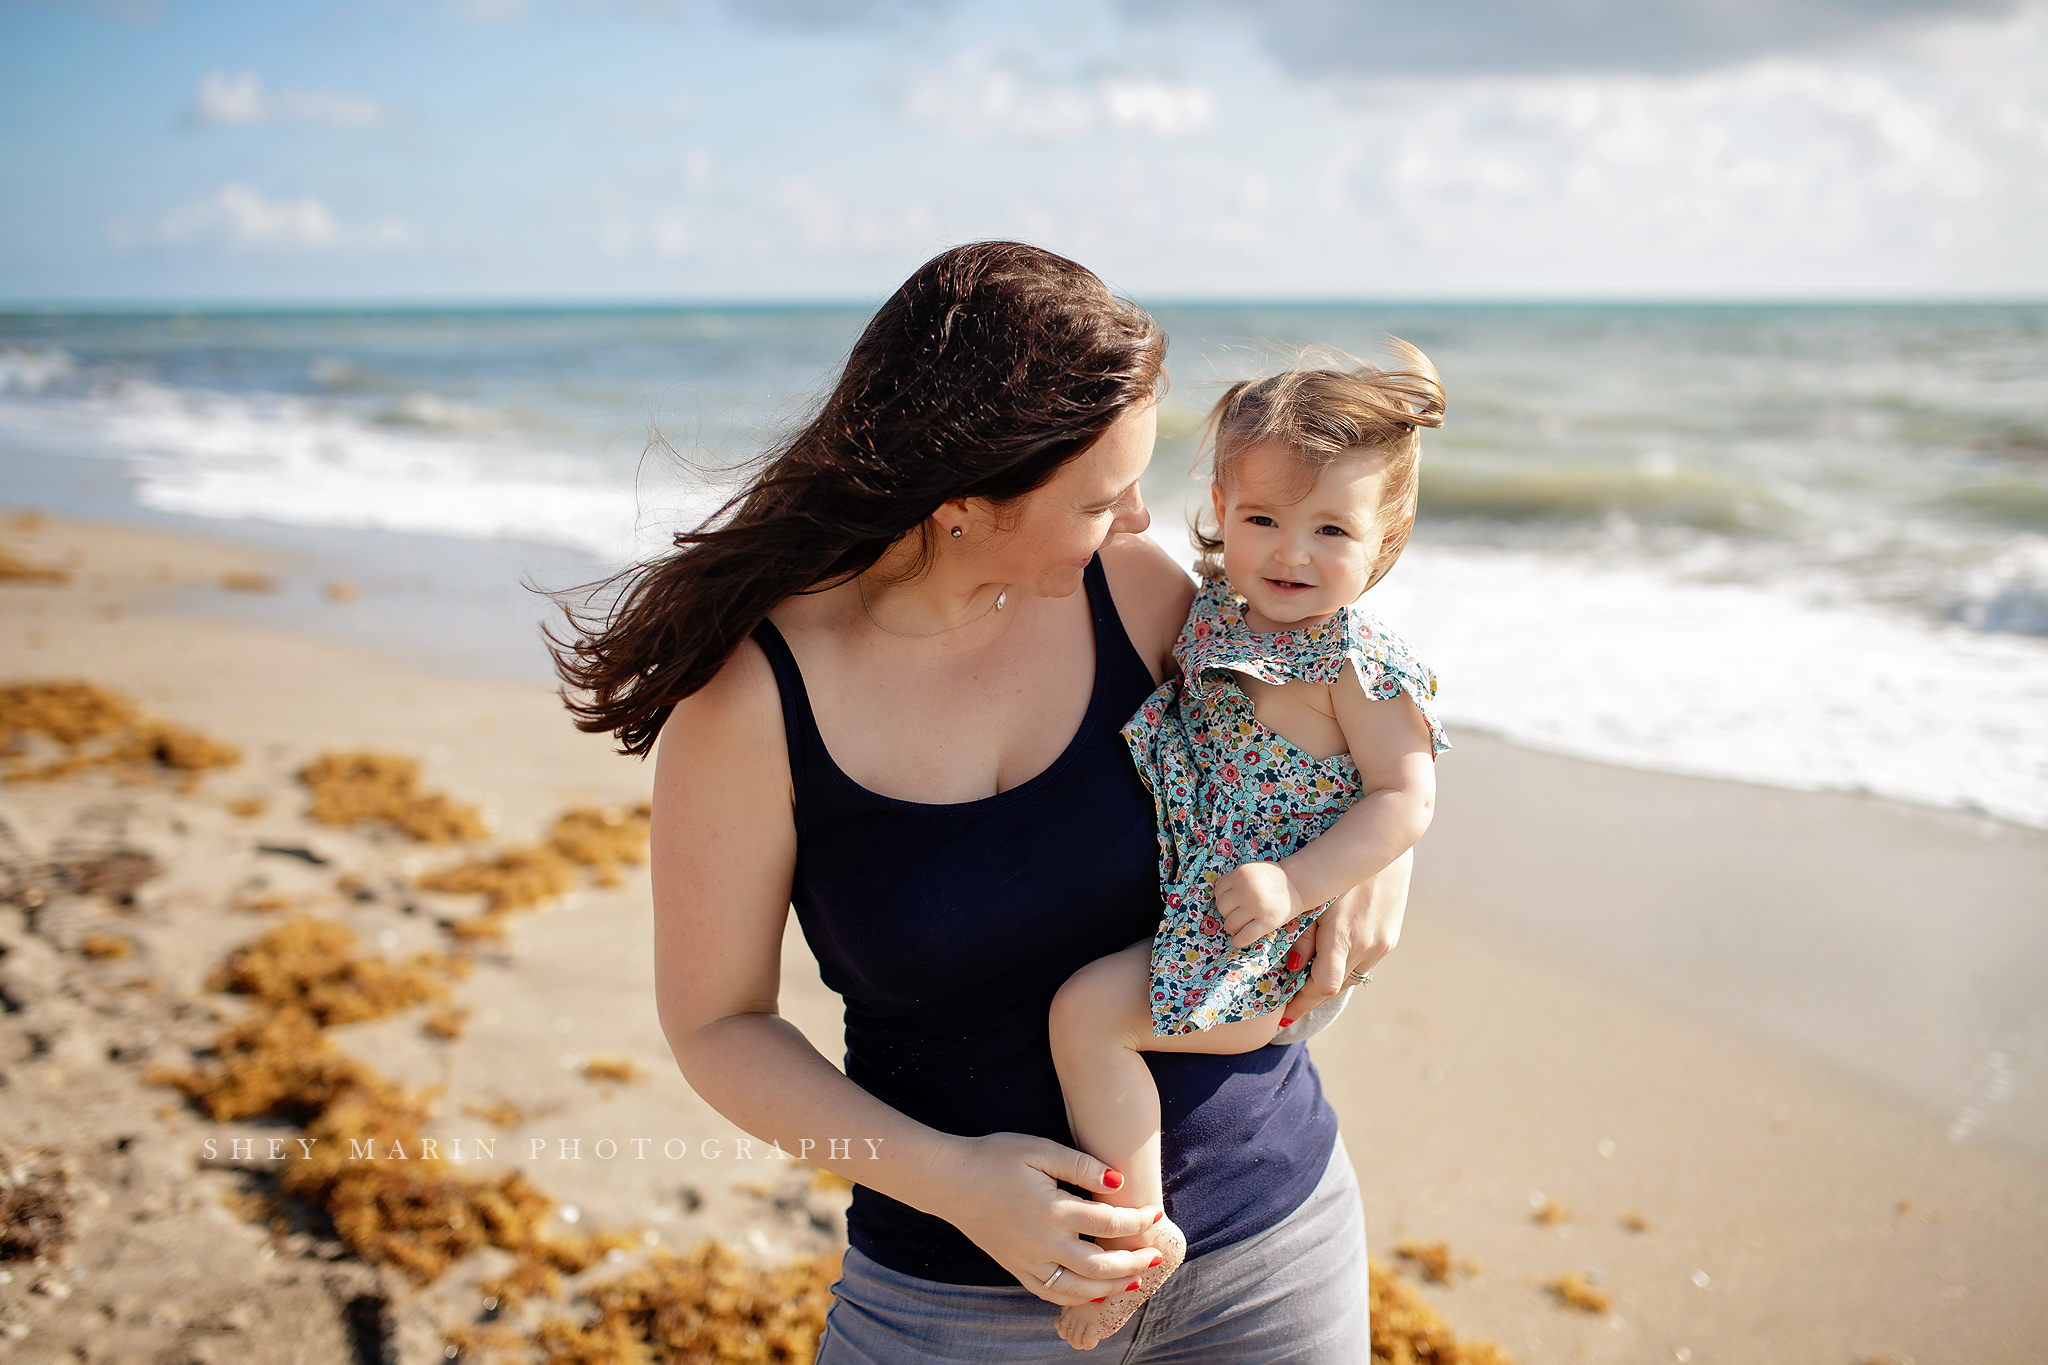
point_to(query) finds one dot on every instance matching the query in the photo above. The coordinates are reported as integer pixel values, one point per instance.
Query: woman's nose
(1133, 518)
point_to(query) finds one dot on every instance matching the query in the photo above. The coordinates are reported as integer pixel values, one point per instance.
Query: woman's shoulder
(1152, 595)
(734, 716)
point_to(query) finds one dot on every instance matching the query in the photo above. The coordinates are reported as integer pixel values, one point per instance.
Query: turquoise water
(1805, 545)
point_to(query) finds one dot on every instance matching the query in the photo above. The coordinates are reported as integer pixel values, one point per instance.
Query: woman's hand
(1000, 1190)
(1351, 936)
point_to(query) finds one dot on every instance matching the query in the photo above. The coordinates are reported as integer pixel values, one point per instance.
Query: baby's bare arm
(1390, 743)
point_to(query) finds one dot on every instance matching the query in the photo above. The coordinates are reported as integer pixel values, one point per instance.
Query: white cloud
(1000, 90)
(1930, 158)
(240, 217)
(1361, 42)
(488, 13)
(239, 100)
(827, 216)
(668, 234)
(695, 166)
(1158, 107)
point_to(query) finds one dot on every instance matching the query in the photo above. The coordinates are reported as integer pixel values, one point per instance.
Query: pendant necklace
(861, 587)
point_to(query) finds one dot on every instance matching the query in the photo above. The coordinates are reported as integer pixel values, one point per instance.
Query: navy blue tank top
(947, 929)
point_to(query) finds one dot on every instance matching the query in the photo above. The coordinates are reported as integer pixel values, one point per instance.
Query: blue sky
(393, 150)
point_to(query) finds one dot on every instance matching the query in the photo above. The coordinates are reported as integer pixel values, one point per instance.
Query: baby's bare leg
(1101, 1024)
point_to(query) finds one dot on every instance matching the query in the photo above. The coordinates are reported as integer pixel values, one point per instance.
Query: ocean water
(1804, 546)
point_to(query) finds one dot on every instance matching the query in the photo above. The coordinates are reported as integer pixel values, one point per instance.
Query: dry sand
(1531, 1040)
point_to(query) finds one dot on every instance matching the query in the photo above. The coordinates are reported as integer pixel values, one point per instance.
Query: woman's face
(1051, 533)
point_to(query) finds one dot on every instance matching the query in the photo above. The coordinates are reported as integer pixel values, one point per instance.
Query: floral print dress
(1228, 791)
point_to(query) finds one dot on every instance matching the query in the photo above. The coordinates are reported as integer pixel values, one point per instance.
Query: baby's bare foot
(1084, 1326)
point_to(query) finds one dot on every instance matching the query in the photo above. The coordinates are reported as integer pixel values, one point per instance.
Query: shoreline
(1542, 1003)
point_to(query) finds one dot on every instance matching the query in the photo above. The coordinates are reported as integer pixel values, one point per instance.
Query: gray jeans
(1294, 1293)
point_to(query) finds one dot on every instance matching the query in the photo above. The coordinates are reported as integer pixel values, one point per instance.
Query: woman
(887, 686)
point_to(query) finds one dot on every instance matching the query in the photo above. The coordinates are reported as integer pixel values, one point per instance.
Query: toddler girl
(1292, 760)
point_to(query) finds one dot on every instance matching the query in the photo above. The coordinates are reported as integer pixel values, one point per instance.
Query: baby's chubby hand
(1255, 900)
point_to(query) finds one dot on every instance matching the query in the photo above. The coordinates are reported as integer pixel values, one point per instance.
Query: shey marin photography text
(550, 1149)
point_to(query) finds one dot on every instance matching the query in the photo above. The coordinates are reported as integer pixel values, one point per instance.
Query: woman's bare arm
(1152, 596)
(724, 855)
(1352, 935)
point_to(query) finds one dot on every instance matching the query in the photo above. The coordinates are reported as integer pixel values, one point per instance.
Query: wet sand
(1731, 1013)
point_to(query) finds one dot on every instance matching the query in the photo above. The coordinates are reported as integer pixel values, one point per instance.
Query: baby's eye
(1331, 531)
(1257, 520)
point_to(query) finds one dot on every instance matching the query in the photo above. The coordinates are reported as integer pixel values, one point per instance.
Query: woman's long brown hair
(991, 367)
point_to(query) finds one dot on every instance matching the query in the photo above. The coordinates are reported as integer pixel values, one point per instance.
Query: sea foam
(1626, 664)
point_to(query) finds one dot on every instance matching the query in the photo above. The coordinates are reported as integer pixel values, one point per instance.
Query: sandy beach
(1761, 1072)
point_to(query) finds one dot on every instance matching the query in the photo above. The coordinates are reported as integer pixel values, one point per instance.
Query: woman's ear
(952, 513)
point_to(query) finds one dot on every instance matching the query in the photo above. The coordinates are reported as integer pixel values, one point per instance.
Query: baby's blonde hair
(1321, 416)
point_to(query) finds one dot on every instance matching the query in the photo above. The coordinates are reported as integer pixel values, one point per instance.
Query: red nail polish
(1133, 1287)
(1112, 1179)
(1285, 1022)
(1159, 1215)
(1095, 1300)
(1294, 962)
(1157, 1261)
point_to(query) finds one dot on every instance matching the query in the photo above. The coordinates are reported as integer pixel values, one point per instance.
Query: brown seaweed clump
(390, 1196)
(308, 965)
(276, 1061)
(409, 1210)
(517, 879)
(1407, 1331)
(99, 945)
(385, 789)
(1431, 1259)
(446, 1022)
(95, 727)
(602, 838)
(35, 1204)
(14, 569)
(706, 1305)
(624, 1070)
(504, 1113)
(520, 878)
(1573, 1290)
(116, 875)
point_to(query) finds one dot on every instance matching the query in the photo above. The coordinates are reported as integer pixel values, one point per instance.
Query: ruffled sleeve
(1217, 643)
(1387, 668)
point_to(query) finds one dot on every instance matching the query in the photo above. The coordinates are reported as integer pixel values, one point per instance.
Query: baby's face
(1298, 551)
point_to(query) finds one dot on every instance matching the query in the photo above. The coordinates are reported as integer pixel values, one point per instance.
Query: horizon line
(836, 303)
